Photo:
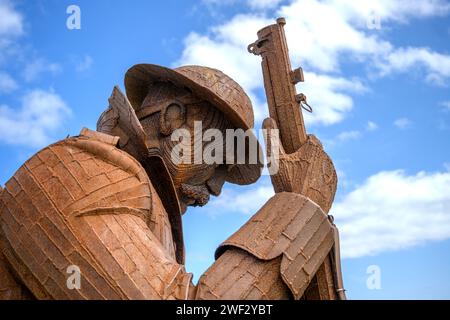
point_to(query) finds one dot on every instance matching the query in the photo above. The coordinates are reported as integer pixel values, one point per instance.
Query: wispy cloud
(330, 97)
(389, 211)
(241, 202)
(224, 47)
(84, 64)
(38, 67)
(253, 4)
(392, 210)
(7, 83)
(263, 4)
(11, 21)
(323, 45)
(41, 112)
(403, 123)
(371, 126)
(322, 48)
(40, 115)
(348, 135)
(445, 105)
(11, 27)
(436, 65)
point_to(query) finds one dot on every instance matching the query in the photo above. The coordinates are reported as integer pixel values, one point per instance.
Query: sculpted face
(168, 108)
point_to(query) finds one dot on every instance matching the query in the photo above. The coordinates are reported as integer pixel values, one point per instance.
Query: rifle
(284, 108)
(279, 83)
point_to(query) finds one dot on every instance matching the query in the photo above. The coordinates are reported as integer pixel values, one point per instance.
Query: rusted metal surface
(279, 83)
(303, 166)
(110, 201)
(84, 202)
(292, 227)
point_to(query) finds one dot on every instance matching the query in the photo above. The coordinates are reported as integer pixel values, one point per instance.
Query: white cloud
(388, 10)
(11, 21)
(389, 211)
(219, 2)
(393, 211)
(323, 45)
(39, 66)
(263, 4)
(437, 65)
(229, 54)
(7, 83)
(371, 126)
(342, 137)
(84, 64)
(234, 201)
(42, 113)
(329, 96)
(403, 123)
(351, 134)
(348, 135)
(225, 49)
(445, 105)
(11, 26)
(253, 4)
(320, 47)
(344, 182)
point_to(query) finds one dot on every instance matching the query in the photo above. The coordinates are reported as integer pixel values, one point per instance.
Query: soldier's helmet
(207, 83)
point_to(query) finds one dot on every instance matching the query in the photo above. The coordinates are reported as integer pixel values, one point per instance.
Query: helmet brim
(139, 78)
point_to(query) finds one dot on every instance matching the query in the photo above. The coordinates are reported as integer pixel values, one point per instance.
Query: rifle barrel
(279, 84)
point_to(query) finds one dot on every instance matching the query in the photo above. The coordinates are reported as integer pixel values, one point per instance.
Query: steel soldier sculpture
(110, 201)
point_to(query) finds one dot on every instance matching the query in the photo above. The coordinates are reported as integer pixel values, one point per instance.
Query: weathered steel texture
(237, 275)
(335, 258)
(110, 202)
(10, 287)
(322, 286)
(76, 196)
(120, 120)
(292, 226)
(308, 171)
(303, 166)
(205, 83)
(84, 202)
(279, 83)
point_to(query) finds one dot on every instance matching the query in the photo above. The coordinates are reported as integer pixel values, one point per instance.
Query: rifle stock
(279, 84)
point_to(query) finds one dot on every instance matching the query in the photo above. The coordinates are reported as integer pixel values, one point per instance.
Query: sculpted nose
(216, 182)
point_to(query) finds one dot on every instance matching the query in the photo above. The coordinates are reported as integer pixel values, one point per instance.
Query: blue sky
(380, 95)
